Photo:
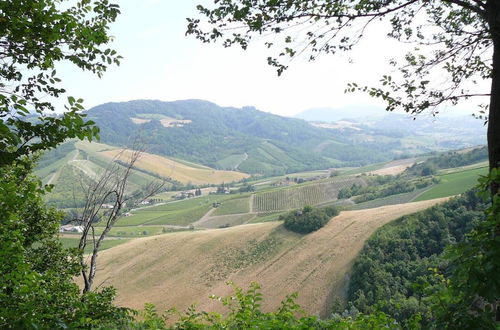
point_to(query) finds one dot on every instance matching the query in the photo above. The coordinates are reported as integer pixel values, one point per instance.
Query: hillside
(77, 163)
(255, 142)
(178, 269)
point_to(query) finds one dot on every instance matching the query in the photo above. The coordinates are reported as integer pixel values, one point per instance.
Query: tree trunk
(494, 110)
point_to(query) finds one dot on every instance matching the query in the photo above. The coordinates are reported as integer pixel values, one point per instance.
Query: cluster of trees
(36, 273)
(393, 272)
(308, 219)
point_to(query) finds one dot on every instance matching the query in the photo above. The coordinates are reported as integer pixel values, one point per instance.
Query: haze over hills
(326, 114)
(253, 141)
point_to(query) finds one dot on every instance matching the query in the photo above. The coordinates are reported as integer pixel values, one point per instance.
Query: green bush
(244, 312)
(308, 219)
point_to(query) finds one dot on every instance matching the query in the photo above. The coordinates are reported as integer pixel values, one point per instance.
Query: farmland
(90, 159)
(193, 265)
(71, 242)
(454, 183)
(234, 206)
(293, 198)
(179, 213)
(181, 172)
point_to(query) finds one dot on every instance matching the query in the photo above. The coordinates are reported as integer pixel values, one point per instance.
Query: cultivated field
(297, 197)
(395, 167)
(454, 183)
(179, 269)
(178, 171)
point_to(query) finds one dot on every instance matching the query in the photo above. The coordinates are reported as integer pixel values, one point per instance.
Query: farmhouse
(71, 229)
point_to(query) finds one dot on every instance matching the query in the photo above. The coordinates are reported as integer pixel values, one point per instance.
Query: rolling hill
(77, 163)
(256, 142)
(178, 269)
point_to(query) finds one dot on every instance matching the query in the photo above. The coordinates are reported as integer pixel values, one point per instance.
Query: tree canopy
(36, 273)
(34, 37)
(457, 45)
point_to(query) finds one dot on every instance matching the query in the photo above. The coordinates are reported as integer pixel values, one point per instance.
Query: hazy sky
(160, 62)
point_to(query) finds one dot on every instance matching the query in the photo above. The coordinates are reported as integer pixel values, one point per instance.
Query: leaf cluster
(34, 37)
(36, 272)
(308, 219)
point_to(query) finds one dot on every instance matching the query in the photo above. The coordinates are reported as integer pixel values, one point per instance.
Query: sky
(161, 63)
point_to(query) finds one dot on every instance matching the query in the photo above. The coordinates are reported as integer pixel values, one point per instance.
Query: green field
(453, 184)
(266, 217)
(234, 206)
(180, 213)
(389, 200)
(367, 168)
(69, 242)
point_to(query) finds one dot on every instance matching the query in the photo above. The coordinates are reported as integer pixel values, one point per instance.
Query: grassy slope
(46, 173)
(181, 268)
(69, 242)
(180, 213)
(234, 206)
(453, 184)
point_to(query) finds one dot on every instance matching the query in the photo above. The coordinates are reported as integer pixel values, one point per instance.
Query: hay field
(178, 171)
(179, 269)
(395, 167)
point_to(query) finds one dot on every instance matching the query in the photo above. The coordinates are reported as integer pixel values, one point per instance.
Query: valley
(221, 220)
(273, 196)
(336, 166)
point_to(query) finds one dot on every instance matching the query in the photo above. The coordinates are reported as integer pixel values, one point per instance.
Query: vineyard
(294, 198)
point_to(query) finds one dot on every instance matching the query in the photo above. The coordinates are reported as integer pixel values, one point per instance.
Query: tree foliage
(34, 37)
(457, 31)
(308, 219)
(36, 272)
(457, 45)
(392, 272)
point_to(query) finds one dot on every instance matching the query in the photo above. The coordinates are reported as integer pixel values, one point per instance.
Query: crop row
(293, 198)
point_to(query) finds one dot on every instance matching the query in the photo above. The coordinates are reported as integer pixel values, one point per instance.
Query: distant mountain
(253, 141)
(336, 114)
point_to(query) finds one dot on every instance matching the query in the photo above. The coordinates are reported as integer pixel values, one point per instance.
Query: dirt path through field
(179, 269)
(56, 173)
(245, 157)
(204, 218)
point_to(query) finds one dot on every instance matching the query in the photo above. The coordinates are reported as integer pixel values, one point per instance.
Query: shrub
(308, 219)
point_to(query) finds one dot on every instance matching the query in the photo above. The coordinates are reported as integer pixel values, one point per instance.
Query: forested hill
(243, 139)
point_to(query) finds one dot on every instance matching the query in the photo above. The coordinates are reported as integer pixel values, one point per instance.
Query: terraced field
(92, 158)
(297, 197)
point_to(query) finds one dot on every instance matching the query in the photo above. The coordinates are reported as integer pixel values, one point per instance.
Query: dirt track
(179, 269)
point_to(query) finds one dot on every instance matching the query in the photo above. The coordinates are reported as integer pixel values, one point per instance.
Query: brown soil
(179, 269)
